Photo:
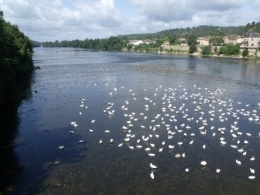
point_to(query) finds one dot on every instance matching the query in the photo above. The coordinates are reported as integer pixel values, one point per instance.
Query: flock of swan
(207, 118)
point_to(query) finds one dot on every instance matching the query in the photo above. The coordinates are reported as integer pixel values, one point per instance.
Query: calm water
(166, 85)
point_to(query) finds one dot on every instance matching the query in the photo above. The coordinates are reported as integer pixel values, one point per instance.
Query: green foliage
(216, 40)
(230, 49)
(192, 40)
(223, 50)
(193, 48)
(206, 50)
(110, 44)
(15, 57)
(201, 31)
(245, 52)
(172, 39)
(166, 39)
(129, 46)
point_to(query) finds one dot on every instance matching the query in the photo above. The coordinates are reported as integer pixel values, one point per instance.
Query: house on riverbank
(252, 43)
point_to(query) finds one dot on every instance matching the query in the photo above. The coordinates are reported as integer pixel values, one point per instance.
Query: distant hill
(119, 42)
(199, 31)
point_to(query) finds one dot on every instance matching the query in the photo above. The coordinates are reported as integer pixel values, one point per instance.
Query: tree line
(110, 44)
(15, 58)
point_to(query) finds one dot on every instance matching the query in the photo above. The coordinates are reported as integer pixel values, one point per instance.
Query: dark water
(69, 75)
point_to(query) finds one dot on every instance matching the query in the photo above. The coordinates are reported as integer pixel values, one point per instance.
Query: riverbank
(175, 53)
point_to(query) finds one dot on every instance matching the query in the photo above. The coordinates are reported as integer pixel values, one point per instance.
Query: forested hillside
(200, 31)
(119, 42)
(15, 57)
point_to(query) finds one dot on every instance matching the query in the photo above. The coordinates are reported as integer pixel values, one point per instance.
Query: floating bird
(61, 147)
(204, 163)
(251, 177)
(152, 175)
(217, 170)
(252, 158)
(153, 166)
(238, 162)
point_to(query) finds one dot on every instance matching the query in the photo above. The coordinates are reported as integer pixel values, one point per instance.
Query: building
(203, 41)
(135, 42)
(251, 42)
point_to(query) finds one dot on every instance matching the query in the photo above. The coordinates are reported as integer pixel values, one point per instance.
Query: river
(157, 95)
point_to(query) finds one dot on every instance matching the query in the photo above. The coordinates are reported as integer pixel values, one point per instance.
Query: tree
(172, 39)
(223, 50)
(192, 40)
(245, 52)
(206, 50)
(216, 40)
(15, 57)
(193, 48)
(166, 39)
(129, 46)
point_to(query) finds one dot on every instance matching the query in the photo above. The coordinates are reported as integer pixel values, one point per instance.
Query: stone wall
(177, 48)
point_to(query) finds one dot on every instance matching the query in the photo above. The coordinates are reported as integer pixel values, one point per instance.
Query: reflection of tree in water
(9, 121)
(9, 165)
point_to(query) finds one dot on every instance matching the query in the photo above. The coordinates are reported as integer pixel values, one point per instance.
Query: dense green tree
(223, 50)
(192, 40)
(15, 57)
(129, 46)
(193, 48)
(230, 49)
(206, 50)
(245, 52)
(172, 39)
(216, 40)
(166, 39)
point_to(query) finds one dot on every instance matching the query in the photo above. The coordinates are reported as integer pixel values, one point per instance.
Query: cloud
(219, 5)
(54, 17)
(161, 10)
(50, 20)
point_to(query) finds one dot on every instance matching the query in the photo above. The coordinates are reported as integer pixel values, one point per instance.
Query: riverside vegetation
(15, 58)
(172, 36)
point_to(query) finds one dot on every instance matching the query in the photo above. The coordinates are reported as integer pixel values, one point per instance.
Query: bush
(206, 50)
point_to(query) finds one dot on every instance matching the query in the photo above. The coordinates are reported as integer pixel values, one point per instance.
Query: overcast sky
(50, 20)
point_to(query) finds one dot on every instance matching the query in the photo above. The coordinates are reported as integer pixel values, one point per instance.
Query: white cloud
(53, 17)
(162, 10)
(49, 20)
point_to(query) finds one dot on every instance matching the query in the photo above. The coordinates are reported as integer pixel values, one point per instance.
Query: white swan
(153, 166)
(238, 162)
(252, 170)
(204, 163)
(152, 175)
(151, 154)
(252, 158)
(251, 177)
(217, 170)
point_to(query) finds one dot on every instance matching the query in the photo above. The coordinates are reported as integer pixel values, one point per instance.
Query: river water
(157, 95)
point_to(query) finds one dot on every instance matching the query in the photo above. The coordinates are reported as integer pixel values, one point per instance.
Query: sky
(50, 20)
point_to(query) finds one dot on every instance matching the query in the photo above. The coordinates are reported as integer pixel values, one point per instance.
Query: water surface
(176, 83)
